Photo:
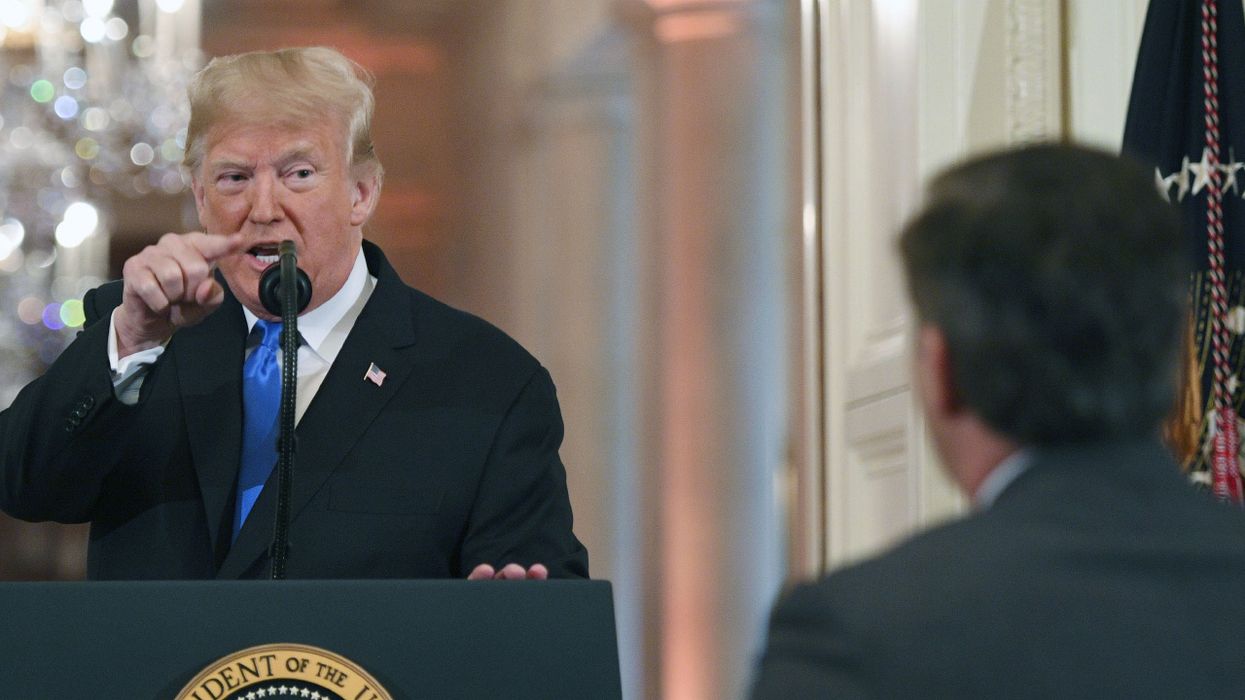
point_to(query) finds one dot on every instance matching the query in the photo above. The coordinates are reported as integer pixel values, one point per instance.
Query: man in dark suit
(1050, 289)
(427, 439)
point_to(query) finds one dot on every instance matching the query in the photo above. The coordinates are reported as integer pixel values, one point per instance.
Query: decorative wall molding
(1033, 73)
(883, 505)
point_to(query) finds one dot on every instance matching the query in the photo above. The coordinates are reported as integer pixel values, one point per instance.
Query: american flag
(1186, 118)
(374, 374)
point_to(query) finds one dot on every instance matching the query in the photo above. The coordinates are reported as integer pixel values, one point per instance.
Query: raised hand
(168, 286)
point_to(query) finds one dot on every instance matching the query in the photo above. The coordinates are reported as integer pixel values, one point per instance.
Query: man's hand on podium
(509, 572)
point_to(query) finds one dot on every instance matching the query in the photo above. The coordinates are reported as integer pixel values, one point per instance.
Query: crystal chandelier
(92, 103)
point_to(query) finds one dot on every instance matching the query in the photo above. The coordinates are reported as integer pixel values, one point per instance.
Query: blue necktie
(261, 401)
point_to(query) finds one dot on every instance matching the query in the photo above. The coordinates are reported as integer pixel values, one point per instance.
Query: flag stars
(1229, 173)
(1182, 180)
(1202, 171)
(1196, 176)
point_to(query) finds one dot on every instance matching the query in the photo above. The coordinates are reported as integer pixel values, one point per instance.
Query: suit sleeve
(60, 437)
(522, 513)
(809, 652)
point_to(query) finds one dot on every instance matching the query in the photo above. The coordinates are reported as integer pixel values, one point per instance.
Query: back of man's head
(1058, 276)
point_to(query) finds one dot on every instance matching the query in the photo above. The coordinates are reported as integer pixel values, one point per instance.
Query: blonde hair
(287, 86)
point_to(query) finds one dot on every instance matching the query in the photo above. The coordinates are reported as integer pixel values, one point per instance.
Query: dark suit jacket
(1099, 573)
(453, 461)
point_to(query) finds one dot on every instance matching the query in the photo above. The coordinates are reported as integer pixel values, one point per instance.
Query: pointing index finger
(213, 247)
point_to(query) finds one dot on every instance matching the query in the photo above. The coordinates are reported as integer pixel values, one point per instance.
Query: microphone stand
(288, 289)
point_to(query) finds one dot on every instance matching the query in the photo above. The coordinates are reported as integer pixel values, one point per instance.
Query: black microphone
(273, 281)
(285, 291)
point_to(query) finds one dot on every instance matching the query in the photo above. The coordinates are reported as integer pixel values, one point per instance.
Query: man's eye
(233, 177)
(303, 173)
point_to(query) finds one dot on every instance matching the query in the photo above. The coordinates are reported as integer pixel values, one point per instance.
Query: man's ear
(934, 372)
(364, 193)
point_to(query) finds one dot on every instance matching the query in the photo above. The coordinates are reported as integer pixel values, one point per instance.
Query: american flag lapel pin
(374, 374)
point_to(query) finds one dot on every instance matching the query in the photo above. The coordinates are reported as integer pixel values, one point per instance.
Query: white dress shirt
(323, 331)
(999, 478)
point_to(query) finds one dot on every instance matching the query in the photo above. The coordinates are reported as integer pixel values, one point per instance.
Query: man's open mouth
(266, 254)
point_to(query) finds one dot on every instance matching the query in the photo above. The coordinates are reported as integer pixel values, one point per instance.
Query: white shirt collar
(315, 325)
(999, 478)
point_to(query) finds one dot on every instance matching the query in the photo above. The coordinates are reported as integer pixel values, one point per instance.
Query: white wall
(1103, 37)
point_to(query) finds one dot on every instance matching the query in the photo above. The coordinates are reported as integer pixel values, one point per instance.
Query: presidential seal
(277, 671)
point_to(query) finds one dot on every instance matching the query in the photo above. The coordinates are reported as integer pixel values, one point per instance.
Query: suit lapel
(344, 406)
(209, 368)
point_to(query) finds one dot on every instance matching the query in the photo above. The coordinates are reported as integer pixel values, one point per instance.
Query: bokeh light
(51, 316)
(71, 137)
(97, 8)
(116, 29)
(12, 233)
(78, 225)
(13, 263)
(75, 78)
(93, 30)
(22, 137)
(42, 91)
(171, 151)
(171, 182)
(86, 148)
(72, 314)
(144, 46)
(14, 15)
(142, 154)
(40, 260)
(95, 119)
(66, 107)
(30, 310)
(163, 117)
(69, 177)
(72, 11)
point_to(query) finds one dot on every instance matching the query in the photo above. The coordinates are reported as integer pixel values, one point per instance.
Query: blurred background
(684, 208)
